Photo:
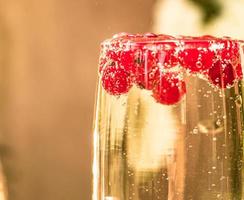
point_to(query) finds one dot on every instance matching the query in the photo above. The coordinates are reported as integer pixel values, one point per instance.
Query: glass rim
(137, 40)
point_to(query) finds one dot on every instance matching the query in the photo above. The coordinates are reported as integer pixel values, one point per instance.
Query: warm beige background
(48, 59)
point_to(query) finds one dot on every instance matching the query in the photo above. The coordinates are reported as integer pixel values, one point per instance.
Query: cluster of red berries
(157, 62)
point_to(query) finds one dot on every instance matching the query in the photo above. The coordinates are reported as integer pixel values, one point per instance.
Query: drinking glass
(169, 118)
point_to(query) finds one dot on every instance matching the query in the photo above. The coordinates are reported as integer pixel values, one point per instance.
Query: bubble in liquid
(238, 100)
(210, 127)
(218, 122)
(195, 130)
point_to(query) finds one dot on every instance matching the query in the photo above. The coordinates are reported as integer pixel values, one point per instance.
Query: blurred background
(49, 52)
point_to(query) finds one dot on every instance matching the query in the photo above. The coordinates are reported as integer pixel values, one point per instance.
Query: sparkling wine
(169, 119)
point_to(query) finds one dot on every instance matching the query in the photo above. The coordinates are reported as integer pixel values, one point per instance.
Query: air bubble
(195, 130)
(238, 100)
(218, 122)
(199, 64)
(209, 127)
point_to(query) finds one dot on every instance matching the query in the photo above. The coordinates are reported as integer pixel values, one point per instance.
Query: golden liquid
(189, 151)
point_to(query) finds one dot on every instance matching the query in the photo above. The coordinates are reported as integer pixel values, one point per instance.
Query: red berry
(197, 60)
(146, 70)
(239, 72)
(169, 89)
(230, 51)
(128, 61)
(107, 58)
(116, 80)
(167, 58)
(222, 74)
(146, 80)
(112, 55)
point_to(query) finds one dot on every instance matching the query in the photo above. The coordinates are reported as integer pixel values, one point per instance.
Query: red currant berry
(107, 58)
(197, 60)
(222, 74)
(146, 70)
(169, 89)
(146, 79)
(116, 80)
(230, 51)
(167, 58)
(239, 72)
(128, 61)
